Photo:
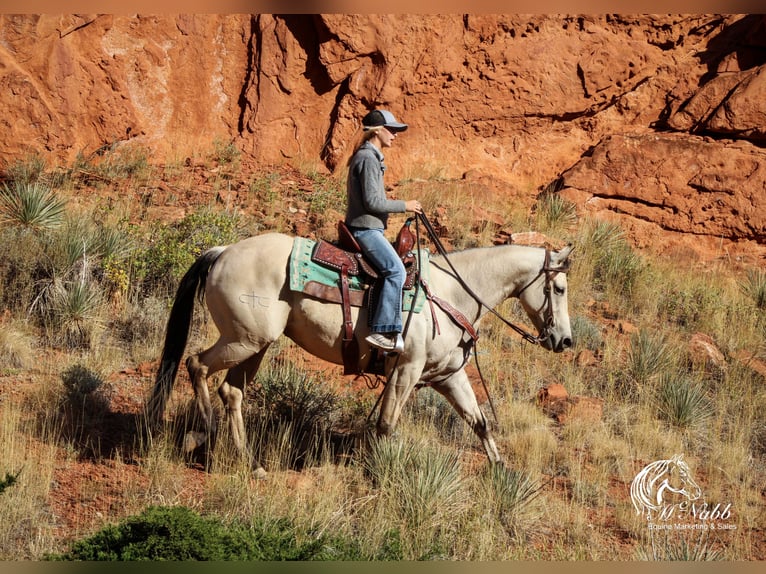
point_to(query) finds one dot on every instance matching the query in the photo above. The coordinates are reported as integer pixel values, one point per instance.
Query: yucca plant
(683, 403)
(73, 310)
(754, 287)
(421, 483)
(615, 266)
(648, 356)
(32, 206)
(554, 213)
(678, 547)
(511, 492)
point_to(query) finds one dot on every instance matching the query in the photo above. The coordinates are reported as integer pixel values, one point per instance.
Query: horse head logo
(662, 483)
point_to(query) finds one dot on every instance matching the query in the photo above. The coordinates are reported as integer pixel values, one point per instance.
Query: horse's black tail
(177, 332)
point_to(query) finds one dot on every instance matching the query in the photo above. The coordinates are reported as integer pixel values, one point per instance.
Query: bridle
(550, 274)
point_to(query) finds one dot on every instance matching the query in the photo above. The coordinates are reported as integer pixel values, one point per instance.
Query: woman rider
(367, 218)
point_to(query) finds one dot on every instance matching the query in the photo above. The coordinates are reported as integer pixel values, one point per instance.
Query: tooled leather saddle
(345, 256)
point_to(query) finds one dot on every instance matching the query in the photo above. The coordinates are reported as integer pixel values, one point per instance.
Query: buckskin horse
(246, 289)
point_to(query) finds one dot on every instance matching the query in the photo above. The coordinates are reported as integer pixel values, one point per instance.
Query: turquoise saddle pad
(302, 270)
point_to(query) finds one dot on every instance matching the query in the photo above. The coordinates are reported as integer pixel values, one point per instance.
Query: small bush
(111, 162)
(9, 480)
(422, 484)
(178, 533)
(554, 213)
(615, 266)
(168, 254)
(86, 397)
(510, 491)
(25, 171)
(73, 311)
(754, 287)
(293, 410)
(586, 334)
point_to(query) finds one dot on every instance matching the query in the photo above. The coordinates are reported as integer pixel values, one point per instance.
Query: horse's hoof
(260, 473)
(193, 440)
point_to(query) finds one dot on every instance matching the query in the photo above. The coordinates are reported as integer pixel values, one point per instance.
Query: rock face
(659, 120)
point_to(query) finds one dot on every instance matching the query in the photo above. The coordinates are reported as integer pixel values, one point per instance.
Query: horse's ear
(561, 257)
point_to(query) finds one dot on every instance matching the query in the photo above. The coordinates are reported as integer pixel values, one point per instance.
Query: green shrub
(23, 268)
(85, 401)
(510, 492)
(161, 261)
(754, 287)
(554, 213)
(9, 480)
(294, 415)
(586, 334)
(422, 484)
(616, 268)
(72, 310)
(649, 355)
(177, 533)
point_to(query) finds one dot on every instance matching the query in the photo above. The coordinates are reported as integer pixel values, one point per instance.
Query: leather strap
(458, 317)
(349, 347)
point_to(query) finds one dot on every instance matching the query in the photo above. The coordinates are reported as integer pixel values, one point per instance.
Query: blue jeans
(387, 317)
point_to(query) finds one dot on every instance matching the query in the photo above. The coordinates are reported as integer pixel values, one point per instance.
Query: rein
(546, 270)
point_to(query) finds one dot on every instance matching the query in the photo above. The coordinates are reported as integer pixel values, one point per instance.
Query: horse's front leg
(398, 388)
(458, 391)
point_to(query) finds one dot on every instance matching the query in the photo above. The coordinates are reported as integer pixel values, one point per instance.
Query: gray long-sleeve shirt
(368, 205)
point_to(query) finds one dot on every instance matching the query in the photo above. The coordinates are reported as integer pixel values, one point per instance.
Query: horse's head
(544, 298)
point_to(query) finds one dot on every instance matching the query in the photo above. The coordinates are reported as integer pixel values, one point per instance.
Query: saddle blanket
(306, 275)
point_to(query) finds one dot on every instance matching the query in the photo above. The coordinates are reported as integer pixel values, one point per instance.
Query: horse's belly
(317, 328)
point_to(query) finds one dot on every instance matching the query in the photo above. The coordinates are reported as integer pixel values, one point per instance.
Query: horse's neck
(493, 273)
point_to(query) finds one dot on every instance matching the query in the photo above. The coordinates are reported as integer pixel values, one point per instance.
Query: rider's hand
(413, 205)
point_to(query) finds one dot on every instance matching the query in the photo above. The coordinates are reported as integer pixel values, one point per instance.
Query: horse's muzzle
(556, 344)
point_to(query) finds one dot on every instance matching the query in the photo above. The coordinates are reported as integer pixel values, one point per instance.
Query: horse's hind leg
(200, 367)
(231, 392)
(457, 390)
(198, 375)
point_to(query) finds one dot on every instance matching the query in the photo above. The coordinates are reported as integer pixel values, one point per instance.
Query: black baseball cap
(377, 118)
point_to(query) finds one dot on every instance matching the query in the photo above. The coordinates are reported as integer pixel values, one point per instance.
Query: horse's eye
(559, 290)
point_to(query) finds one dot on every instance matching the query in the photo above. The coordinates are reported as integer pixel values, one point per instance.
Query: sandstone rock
(586, 358)
(552, 393)
(704, 351)
(682, 183)
(555, 401)
(751, 361)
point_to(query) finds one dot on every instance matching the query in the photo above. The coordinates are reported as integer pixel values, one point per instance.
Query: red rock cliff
(657, 119)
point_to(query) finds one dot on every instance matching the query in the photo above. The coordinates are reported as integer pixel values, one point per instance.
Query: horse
(246, 290)
(662, 479)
